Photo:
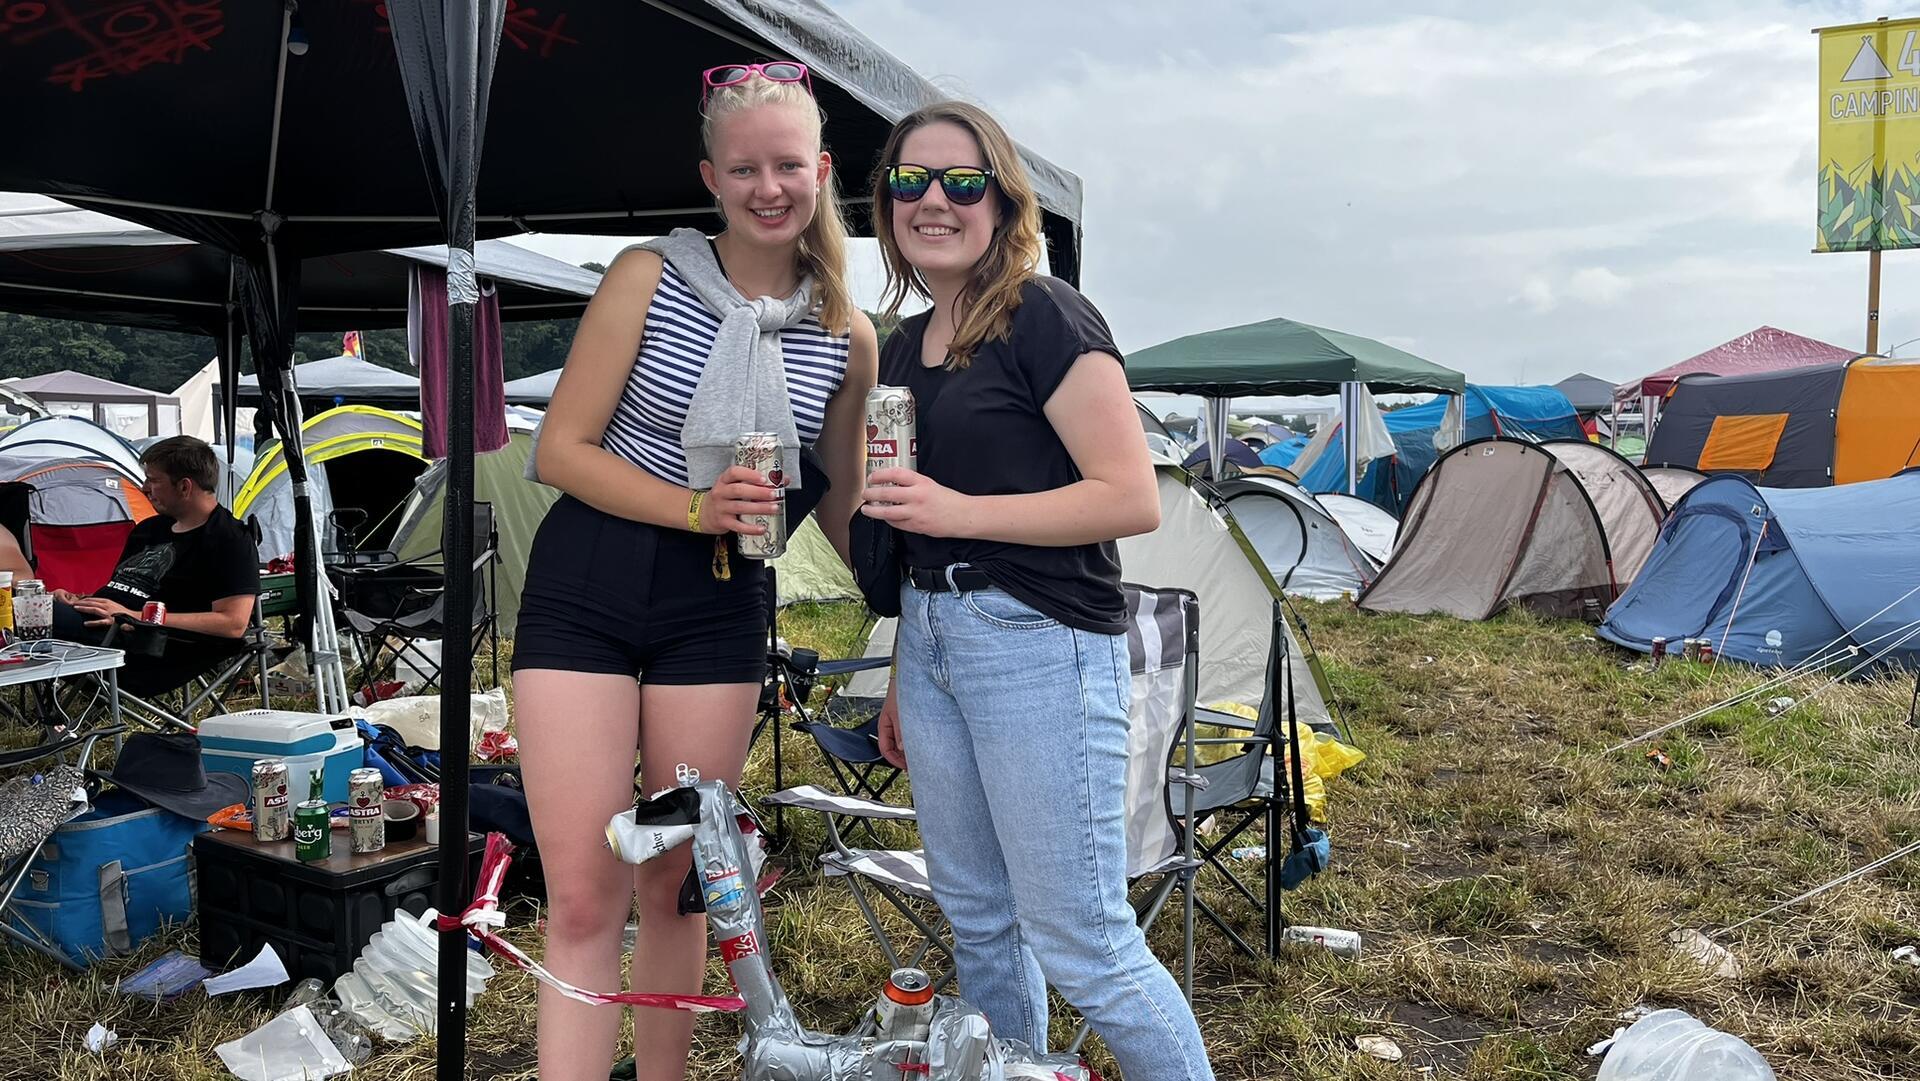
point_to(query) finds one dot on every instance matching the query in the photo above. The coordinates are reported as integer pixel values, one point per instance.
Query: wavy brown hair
(992, 292)
(823, 244)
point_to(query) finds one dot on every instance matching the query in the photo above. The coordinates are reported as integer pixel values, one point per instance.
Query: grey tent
(1672, 481)
(1588, 393)
(1499, 522)
(350, 379)
(533, 389)
(129, 412)
(1303, 545)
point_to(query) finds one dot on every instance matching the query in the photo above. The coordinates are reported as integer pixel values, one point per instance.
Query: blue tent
(1830, 567)
(1530, 413)
(1284, 452)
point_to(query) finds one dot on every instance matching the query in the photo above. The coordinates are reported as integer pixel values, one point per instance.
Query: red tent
(1764, 350)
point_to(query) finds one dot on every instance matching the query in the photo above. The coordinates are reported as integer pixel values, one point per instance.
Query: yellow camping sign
(1870, 136)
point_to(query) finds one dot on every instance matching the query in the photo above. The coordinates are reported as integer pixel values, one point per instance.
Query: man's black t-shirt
(185, 571)
(982, 432)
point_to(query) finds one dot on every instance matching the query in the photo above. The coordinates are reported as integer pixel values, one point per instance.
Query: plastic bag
(291, 1047)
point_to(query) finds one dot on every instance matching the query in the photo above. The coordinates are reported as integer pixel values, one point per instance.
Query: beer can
(893, 438)
(1659, 651)
(1706, 651)
(1341, 942)
(1690, 650)
(905, 1008)
(312, 839)
(760, 452)
(272, 821)
(153, 612)
(367, 826)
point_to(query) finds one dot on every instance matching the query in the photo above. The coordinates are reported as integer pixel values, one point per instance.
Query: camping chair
(852, 752)
(391, 608)
(1240, 791)
(1163, 640)
(206, 669)
(36, 784)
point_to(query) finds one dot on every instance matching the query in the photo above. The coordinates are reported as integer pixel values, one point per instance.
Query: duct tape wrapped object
(959, 1045)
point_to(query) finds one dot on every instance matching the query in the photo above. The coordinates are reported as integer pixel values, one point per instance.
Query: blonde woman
(641, 626)
(1011, 692)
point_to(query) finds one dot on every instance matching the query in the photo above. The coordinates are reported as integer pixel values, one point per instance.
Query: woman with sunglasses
(1011, 688)
(641, 626)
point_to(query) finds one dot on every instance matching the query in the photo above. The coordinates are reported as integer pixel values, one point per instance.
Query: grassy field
(1515, 884)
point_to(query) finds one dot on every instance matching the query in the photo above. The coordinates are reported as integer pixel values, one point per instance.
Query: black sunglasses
(963, 185)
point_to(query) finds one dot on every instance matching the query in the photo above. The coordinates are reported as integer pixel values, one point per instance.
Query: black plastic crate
(316, 916)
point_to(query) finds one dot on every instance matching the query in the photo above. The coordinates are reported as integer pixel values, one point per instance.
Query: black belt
(960, 578)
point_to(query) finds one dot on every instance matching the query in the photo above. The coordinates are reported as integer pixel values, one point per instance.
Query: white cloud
(1598, 286)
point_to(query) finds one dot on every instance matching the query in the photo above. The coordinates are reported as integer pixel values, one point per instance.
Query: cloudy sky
(1517, 190)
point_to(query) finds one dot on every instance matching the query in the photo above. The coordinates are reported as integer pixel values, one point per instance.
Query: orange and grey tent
(85, 498)
(1559, 527)
(1799, 428)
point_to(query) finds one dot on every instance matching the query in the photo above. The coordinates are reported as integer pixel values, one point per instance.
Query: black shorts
(606, 594)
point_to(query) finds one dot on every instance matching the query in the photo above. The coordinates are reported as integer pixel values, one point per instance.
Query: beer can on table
(272, 820)
(1341, 942)
(893, 438)
(153, 612)
(905, 1009)
(760, 452)
(312, 837)
(366, 821)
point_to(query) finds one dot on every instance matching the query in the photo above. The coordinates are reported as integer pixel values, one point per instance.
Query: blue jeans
(1016, 731)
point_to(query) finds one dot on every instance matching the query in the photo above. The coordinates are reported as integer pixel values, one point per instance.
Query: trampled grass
(1514, 883)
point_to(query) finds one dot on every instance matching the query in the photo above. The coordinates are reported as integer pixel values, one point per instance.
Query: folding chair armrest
(178, 634)
(814, 798)
(851, 664)
(1219, 719)
(1232, 741)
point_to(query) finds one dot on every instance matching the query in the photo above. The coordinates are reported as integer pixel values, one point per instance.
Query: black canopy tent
(238, 123)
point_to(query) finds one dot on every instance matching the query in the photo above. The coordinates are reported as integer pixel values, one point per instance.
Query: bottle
(312, 833)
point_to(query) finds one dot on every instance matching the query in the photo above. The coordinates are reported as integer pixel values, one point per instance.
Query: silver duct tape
(959, 1045)
(462, 286)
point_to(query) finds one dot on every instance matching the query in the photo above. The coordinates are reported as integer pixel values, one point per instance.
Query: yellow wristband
(693, 510)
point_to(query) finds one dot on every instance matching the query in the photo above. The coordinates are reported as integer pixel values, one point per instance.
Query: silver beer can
(1336, 940)
(272, 811)
(760, 452)
(893, 438)
(367, 827)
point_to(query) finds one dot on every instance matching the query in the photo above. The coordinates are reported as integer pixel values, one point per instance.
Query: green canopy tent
(1281, 356)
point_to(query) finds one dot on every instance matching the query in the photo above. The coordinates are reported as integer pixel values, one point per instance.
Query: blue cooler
(233, 742)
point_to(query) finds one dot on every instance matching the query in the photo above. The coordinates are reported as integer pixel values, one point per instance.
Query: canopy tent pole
(1350, 416)
(1217, 436)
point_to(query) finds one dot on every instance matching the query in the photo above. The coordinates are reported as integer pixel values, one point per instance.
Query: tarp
(1280, 356)
(1496, 522)
(1588, 393)
(1527, 413)
(87, 121)
(1302, 544)
(350, 378)
(1763, 349)
(1776, 576)
(64, 262)
(1799, 428)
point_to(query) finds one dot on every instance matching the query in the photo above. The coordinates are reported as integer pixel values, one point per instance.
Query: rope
(1890, 857)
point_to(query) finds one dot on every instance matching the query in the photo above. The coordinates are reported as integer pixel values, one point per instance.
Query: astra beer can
(760, 452)
(893, 438)
(366, 791)
(272, 813)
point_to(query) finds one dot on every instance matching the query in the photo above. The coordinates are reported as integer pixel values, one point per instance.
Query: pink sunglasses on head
(777, 71)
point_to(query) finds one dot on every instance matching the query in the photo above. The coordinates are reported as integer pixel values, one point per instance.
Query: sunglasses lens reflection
(964, 186)
(908, 182)
(783, 72)
(727, 76)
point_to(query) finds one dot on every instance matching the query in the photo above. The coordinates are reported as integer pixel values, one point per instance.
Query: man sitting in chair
(191, 556)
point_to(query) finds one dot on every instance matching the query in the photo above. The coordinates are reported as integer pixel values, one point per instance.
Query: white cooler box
(233, 742)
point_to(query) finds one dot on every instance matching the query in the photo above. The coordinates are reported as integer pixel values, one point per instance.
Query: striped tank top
(645, 427)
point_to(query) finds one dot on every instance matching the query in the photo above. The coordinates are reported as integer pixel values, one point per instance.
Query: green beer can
(312, 837)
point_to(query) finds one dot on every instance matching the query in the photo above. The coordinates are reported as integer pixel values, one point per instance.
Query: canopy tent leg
(1217, 436)
(1349, 415)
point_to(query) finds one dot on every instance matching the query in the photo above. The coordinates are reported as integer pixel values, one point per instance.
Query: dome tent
(1303, 545)
(371, 458)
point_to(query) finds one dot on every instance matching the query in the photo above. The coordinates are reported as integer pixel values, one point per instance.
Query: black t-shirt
(185, 571)
(981, 431)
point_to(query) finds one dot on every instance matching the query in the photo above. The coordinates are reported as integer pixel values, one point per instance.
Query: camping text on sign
(1869, 136)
